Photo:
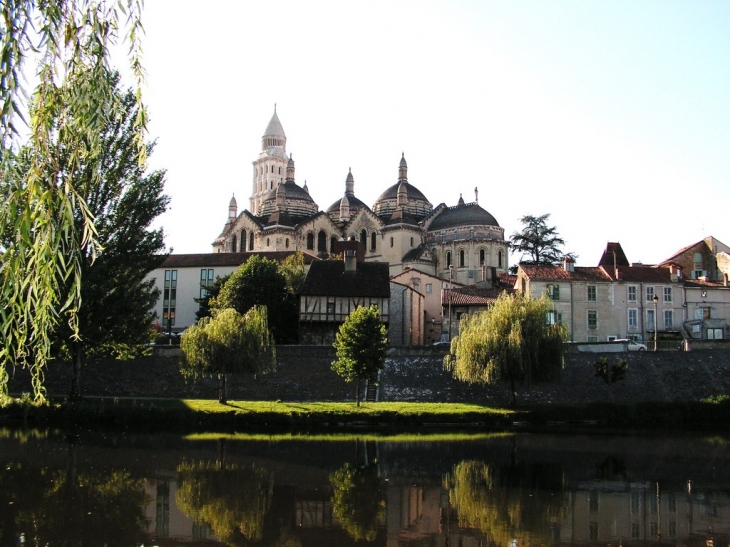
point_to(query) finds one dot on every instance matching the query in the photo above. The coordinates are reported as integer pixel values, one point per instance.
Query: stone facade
(402, 228)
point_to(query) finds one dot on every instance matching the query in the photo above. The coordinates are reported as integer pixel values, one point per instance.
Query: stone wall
(304, 374)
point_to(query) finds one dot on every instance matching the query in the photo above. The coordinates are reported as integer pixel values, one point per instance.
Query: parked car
(632, 345)
(442, 345)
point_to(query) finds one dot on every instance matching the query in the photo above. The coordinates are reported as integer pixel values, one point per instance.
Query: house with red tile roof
(614, 300)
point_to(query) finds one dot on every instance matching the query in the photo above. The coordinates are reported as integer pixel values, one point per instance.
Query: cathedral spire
(350, 184)
(403, 169)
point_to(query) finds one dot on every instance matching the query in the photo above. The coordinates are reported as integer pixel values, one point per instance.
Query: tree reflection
(58, 508)
(509, 503)
(358, 500)
(231, 499)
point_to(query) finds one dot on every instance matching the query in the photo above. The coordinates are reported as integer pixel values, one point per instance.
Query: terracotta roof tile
(328, 278)
(225, 259)
(470, 296)
(558, 273)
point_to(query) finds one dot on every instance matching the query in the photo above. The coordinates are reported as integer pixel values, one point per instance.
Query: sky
(613, 117)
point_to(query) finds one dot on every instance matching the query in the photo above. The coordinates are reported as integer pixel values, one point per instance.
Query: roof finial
(476, 195)
(274, 108)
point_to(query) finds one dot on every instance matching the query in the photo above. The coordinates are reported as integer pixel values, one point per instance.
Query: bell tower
(269, 170)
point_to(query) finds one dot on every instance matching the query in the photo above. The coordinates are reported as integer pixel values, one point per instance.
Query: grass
(188, 416)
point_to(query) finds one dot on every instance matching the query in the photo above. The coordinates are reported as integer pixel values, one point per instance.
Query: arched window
(321, 242)
(267, 241)
(250, 241)
(286, 243)
(333, 240)
(499, 259)
(233, 244)
(373, 241)
(448, 259)
(364, 237)
(243, 240)
(391, 241)
(310, 241)
(411, 242)
(482, 257)
(461, 258)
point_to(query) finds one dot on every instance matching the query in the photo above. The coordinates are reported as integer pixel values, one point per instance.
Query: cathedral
(464, 243)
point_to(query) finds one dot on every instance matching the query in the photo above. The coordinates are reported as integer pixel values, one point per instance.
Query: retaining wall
(410, 374)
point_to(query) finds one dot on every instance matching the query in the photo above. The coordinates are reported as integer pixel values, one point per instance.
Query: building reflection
(420, 513)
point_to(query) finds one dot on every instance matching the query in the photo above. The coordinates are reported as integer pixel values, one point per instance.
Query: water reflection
(517, 490)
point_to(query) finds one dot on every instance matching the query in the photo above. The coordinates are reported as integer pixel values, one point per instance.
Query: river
(512, 490)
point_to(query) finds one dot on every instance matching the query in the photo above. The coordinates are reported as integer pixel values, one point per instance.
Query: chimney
(568, 264)
(350, 260)
(724, 280)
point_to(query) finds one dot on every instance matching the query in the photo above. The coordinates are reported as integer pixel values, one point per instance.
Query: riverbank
(190, 416)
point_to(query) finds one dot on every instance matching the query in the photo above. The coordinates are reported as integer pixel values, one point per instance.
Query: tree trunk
(357, 392)
(222, 390)
(512, 394)
(77, 356)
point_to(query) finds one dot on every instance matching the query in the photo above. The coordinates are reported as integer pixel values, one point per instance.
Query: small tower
(344, 208)
(403, 169)
(232, 209)
(270, 168)
(350, 184)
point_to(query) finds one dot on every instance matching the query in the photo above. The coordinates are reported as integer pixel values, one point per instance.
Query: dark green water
(516, 490)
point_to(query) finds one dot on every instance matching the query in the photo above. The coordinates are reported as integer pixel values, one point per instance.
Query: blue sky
(612, 116)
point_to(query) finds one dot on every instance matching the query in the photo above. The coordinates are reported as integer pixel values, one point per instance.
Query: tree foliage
(228, 343)
(119, 300)
(610, 372)
(261, 282)
(510, 342)
(361, 345)
(41, 251)
(537, 241)
(358, 500)
(233, 500)
(508, 502)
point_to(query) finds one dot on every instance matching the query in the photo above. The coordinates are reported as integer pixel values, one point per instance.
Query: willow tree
(510, 342)
(70, 44)
(233, 500)
(228, 343)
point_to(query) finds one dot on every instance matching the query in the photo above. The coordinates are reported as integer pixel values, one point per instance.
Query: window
(243, 240)
(169, 297)
(667, 294)
(250, 241)
(233, 244)
(429, 288)
(482, 257)
(632, 293)
(364, 237)
(553, 292)
(206, 280)
(310, 241)
(672, 528)
(330, 308)
(593, 501)
(373, 239)
(635, 530)
(391, 241)
(333, 242)
(448, 259)
(668, 319)
(268, 241)
(633, 318)
(653, 530)
(635, 503)
(698, 261)
(591, 293)
(499, 259)
(672, 502)
(593, 531)
(286, 242)
(461, 258)
(554, 317)
(649, 294)
(592, 339)
(702, 313)
(411, 242)
(649, 319)
(321, 242)
(592, 319)
(715, 334)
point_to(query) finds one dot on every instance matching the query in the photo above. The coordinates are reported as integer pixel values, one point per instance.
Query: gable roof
(211, 260)
(471, 296)
(558, 273)
(329, 278)
(613, 256)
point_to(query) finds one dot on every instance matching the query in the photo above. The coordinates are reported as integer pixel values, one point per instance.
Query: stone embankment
(410, 374)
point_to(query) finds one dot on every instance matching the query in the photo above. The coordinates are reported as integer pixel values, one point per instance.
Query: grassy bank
(194, 415)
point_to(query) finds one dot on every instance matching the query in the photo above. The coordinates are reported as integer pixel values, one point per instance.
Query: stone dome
(471, 214)
(416, 205)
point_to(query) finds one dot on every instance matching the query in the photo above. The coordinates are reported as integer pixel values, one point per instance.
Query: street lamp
(656, 320)
(451, 271)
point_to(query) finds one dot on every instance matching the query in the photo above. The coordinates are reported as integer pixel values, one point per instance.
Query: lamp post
(451, 271)
(656, 320)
